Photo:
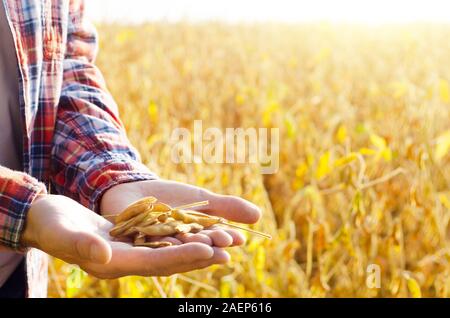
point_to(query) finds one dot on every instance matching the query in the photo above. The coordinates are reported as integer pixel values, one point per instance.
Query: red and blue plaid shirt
(73, 139)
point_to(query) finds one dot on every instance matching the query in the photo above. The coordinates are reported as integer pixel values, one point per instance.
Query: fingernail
(96, 254)
(221, 256)
(208, 252)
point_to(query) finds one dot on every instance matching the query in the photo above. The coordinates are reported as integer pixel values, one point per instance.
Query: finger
(238, 237)
(198, 237)
(219, 237)
(232, 208)
(157, 261)
(169, 239)
(84, 246)
(229, 207)
(220, 257)
(165, 261)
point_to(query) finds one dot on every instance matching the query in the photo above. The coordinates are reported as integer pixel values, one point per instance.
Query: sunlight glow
(365, 11)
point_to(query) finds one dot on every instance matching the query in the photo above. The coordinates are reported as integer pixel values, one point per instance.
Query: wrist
(116, 198)
(29, 234)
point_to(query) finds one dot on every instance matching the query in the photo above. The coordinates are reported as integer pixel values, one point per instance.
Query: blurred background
(367, 11)
(360, 92)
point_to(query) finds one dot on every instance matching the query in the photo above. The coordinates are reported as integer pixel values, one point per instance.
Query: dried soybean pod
(182, 228)
(139, 238)
(181, 216)
(193, 217)
(159, 229)
(129, 232)
(149, 221)
(152, 214)
(195, 228)
(154, 244)
(163, 217)
(119, 229)
(110, 217)
(161, 207)
(179, 226)
(135, 209)
(206, 222)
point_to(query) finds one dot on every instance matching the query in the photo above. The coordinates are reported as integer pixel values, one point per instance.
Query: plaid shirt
(73, 138)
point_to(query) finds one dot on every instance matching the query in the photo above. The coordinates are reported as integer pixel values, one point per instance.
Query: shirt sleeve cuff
(17, 192)
(103, 176)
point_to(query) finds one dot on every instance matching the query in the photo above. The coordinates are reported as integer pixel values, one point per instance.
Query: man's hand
(63, 228)
(175, 194)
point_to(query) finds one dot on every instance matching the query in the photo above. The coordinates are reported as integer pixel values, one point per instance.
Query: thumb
(85, 246)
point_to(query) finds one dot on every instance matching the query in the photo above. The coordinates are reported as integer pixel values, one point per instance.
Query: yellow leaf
(358, 203)
(346, 159)
(290, 249)
(297, 184)
(378, 141)
(444, 200)
(360, 128)
(239, 99)
(323, 168)
(341, 134)
(310, 159)
(367, 151)
(74, 281)
(413, 286)
(301, 170)
(269, 281)
(383, 150)
(260, 263)
(253, 245)
(444, 91)
(153, 139)
(225, 179)
(178, 292)
(290, 125)
(225, 288)
(442, 145)
(240, 291)
(299, 176)
(386, 154)
(313, 193)
(270, 109)
(153, 111)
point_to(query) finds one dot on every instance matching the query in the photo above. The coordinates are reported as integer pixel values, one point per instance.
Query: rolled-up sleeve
(17, 192)
(91, 152)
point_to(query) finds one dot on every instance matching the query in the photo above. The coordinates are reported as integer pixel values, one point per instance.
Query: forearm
(91, 152)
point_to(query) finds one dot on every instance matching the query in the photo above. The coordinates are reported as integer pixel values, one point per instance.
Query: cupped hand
(233, 208)
(65, 229)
